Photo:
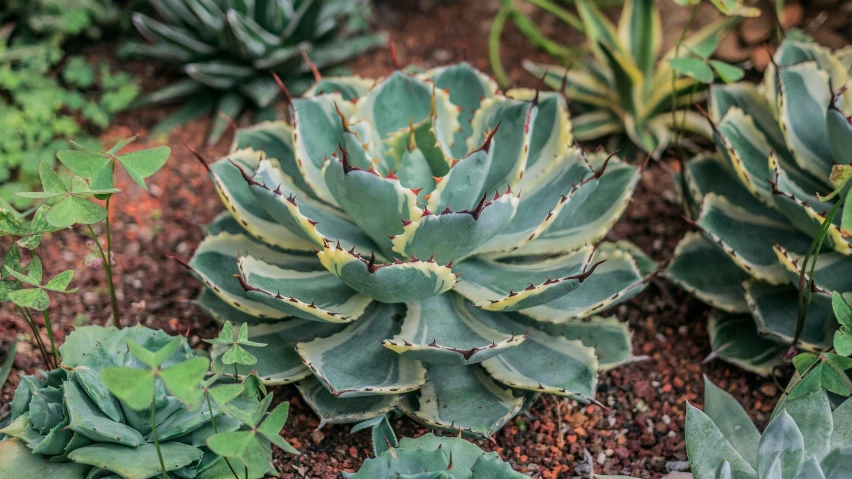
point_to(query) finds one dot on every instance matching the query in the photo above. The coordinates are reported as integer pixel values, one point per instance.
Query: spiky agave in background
(760, 205)
(423, 242)
(228, 49)
(624, 91)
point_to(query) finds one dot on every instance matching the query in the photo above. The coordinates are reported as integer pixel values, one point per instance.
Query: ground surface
(639, 433)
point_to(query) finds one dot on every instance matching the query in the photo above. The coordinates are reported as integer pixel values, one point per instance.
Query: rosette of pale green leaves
(229, 49)
(760, 204)
(423, 242)
(627, 90)
(93, 417)
(804, 440)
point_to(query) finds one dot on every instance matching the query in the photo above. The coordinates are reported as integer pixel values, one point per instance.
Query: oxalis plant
(138, 403)
(804, 440)
(227, 49)
(67, 205)
(626, 90)
(423, 243)
(770, 210)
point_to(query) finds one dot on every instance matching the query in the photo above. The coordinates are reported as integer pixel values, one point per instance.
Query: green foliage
(773, 212)
(91, 414)
(382, 313)
(229, 49)
(625, 90)
(805, 439)
(47, 99)
(8, 362)
(61, 19)
(429, 456)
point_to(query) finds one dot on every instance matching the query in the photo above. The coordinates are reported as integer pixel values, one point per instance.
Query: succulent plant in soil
(422, 242)
(230, 49)
(93, 416)
(624, 91)
(804, 440)
(760, 204)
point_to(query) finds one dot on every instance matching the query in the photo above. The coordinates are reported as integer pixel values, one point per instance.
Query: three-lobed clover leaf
(249, 446)
(28, 233)
(73, 205)
(134, 385)
(236, 353)
(99, 167)
(36, 296)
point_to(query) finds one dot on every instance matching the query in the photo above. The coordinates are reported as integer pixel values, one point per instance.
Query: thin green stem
(811, 257)
(216, 431)
(236, 372)
(29, 320)
(559, 13)
(108, 271)
(154, 431)
(494, 44)
(49, 326)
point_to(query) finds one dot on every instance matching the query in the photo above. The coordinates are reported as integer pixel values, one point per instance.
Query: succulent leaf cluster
(804, 439)
(627, 90)
(422, 242)
(93, 417)
(229, 50)
(760, 204)
(434, 457)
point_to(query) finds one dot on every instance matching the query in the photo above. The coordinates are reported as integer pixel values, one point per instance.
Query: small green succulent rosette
(760, 203)
(229, 49)
(804, 440)
(426, 243)
(66, 424)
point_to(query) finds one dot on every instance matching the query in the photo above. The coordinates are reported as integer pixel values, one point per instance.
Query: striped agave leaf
(228, 49)
(627, 88)
(760, 203)
(399, 255)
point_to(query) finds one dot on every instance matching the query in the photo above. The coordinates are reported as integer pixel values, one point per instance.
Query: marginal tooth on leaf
(512, 293)
(324, 243)
(204, 161)
(351, 251)
(312, 305)
(391, 237)
(338, 246)
(414, 258)
(313, 223)
(453, 162)
(479, 207)
(600, 172)
(397, 261)
(438, 180)
(447, 210)
(292, 199)
(530, 287)
(426, 212)
(496, 195)
(405, 223)
(347, 167)
(431, 258)
(392, 176)
(489, 135)
(416, 191)
(371, 265)
(508, 189)
(450, 264)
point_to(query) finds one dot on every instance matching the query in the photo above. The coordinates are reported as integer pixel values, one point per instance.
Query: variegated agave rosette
(423, 242)
(761, 204)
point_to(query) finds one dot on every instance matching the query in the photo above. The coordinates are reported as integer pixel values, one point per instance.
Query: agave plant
(761, 204)
(423, 242)
(804, 440)
(229, 50)
(69, 421)
(623, 90)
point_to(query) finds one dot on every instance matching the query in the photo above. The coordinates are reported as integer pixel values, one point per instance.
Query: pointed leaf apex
(312, 66)
(283, 88)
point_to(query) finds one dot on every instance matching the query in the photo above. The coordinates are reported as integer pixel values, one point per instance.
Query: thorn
(338, 246)
(600, 172)
(229, 121)
(431, 258)
(394, 60)
(351, 251)
(582, 277)
(450, 465)
(180, 261)
(397, 261)
(371, 266)
(246, 176)
(530, 287)
(312, 66)
(283, 88)
(405, 223)
(347, 167)
(450, 264)
(486, 145)
(426, 212)
(391, 237)
(292, 199)
(479, 207)
(392, 176)
(508, 189)
(414, 258)
(314, 223)
(277, 190)
(447, 210)
(416, 191)
(313, 305)
(198, 155)
(343, 119)
(512, 293)
(496, 195)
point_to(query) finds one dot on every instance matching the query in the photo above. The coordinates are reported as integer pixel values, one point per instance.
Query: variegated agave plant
(804, 440)
(228, 48)
(760, 205)
(624, 90)
(423, 242)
